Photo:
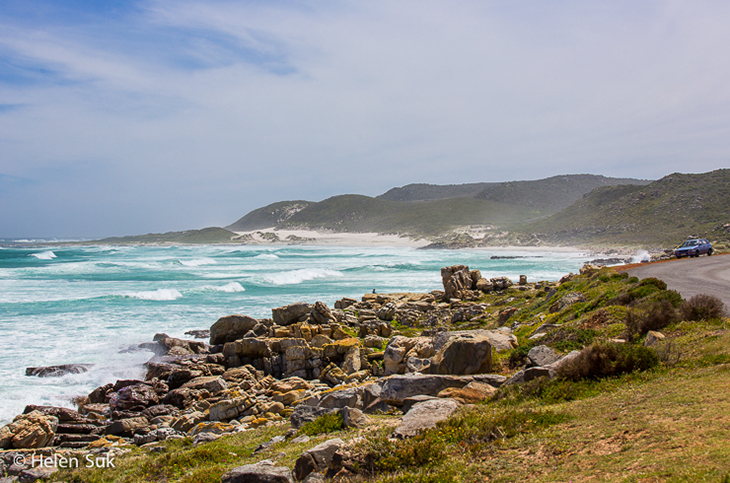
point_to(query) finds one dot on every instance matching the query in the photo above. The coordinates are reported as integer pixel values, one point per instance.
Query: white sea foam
(198, 262)
(161, 294)
(232, 287)
(294, 277)
(266, 256)
(640, 256)
(47, 255)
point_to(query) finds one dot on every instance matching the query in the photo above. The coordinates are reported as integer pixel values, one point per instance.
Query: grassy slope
(357, 213)
(268, 216)
(206, 235)
(664, 212)
(669, 424)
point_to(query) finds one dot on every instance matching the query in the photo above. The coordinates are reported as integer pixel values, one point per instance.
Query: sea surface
(90, 304)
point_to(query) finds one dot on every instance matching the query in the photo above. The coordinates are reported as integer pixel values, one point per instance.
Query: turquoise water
(86, 304)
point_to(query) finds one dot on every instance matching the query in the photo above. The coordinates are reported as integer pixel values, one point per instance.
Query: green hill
(544, 196)
(663, 212)
(206, 235)
(358, 213)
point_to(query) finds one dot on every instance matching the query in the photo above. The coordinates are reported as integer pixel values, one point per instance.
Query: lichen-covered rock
(400, 348)
(27, 431)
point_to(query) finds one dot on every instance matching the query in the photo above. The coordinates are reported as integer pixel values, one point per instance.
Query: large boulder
(231, 328)
(290, 314)
(134, 398)
(27, 431)
(466, 353)
(317, 458)
(542, 355)
(321, 314)
(401, 348)
(425, 415)
(457, 282)
(395, 389)
(500, 340)
(261, 472)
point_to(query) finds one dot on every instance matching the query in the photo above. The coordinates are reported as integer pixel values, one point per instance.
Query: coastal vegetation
(630, 404)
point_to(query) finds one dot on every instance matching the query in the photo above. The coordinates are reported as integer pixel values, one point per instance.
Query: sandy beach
(336, 239)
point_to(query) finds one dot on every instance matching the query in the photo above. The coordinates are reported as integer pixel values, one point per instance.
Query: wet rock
(58, 371)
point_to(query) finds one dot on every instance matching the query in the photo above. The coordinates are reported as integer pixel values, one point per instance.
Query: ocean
(70, 304)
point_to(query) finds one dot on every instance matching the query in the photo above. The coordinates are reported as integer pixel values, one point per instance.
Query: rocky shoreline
(422, 355)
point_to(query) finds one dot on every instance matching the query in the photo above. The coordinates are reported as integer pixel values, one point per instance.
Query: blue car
(694, 248)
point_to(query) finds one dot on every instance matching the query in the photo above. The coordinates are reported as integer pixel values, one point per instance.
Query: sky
(128, 117)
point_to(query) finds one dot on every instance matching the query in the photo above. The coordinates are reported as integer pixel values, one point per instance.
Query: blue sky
(128, 117)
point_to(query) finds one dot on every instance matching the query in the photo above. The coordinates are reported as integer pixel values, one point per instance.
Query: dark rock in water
(58, 371)
(199, 334)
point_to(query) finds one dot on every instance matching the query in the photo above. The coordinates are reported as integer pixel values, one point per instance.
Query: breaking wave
(47, 255)
(161, 294)
(294, 277)
(197, 262)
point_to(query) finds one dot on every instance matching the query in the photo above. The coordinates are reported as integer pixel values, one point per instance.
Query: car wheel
(709, 252)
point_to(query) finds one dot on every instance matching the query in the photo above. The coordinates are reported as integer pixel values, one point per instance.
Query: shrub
(327, 423)
(702, 307)
(382, 454)
(658, 315)
(605, 360)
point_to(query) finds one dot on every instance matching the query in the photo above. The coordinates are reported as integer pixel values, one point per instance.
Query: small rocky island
(422, 356)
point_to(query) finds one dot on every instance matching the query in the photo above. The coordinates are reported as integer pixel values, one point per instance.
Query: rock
(186, 422)
(320, 341)
(523, 279)
(34, 474)
(28, 431)
(352, 361)
(229, 408)
(321, 314)
(500, 340)
(231, 328)
(353, 417)
(425, 415)
(465, 353)
(290, 314)
(396, 388)
(203, 438)
(457, 282)
(306, 414)
(212, 384)
(127, 427)
(555, 366)
(212, 427)
(501, 283)
(349, 397)
(58, 371)
(252, 348)
(526, 375)
(567, 300)
(374, 341)
(652, 337)
(409, 402)
(262, 472)
(542, 355)
(472, 393)
(133, 398)
(317, 458)
(386, 312)
(400, 348)
(475, 276)
(484, 285)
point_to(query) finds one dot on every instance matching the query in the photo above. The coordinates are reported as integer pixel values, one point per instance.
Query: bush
(658, 315)
(702, 307)
(328, 423)
(605, 360)
(382, 454)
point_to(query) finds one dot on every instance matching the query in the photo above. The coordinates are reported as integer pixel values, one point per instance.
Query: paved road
(692, 276)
